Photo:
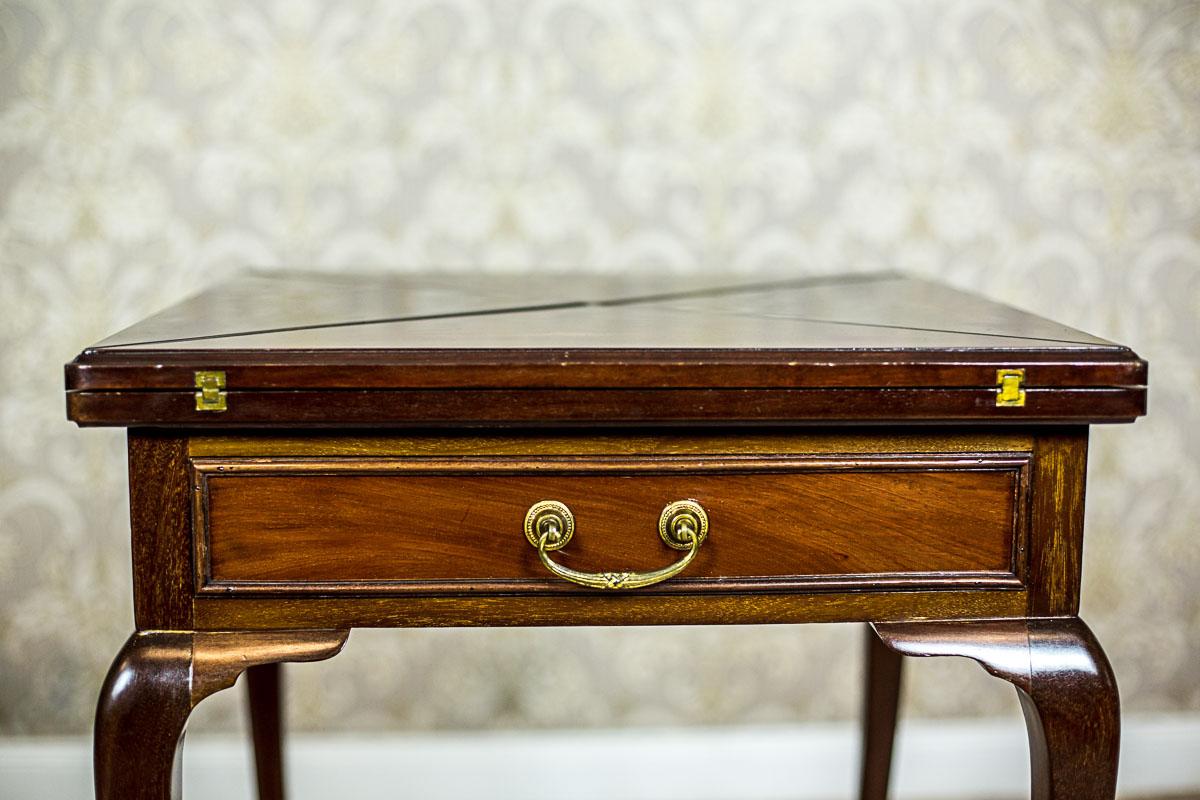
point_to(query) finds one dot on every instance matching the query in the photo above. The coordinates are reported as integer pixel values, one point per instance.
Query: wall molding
(938, 759)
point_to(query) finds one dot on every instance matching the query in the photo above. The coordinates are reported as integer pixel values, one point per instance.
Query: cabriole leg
(156, 680)
(1065, 686)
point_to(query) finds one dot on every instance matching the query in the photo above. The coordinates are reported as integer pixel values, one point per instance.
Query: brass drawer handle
(549, 525)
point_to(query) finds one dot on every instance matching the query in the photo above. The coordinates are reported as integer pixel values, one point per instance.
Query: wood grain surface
(507, 408)
(160, 517)
(628, 442)
(1065, 684)
(883, 677)
(452, 526)
(301, 350)
(156, 680)
(619, 457)
(632, 608)
(290, 310)
(1057, 503)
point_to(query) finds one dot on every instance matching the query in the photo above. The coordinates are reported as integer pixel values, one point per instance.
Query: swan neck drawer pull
(549, 526)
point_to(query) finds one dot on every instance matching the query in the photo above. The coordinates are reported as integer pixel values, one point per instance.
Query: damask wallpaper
(1046, 154)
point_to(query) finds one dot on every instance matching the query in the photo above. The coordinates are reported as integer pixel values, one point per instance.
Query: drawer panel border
(202, 468)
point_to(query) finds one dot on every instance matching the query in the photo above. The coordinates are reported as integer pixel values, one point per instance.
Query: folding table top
(298, 349)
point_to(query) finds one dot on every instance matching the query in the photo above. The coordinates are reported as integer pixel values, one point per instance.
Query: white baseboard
(936, 760)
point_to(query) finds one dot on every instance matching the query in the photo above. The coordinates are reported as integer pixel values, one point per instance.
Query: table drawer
(435, 525)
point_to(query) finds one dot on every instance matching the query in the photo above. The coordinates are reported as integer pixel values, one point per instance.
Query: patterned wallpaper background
(1046, 154)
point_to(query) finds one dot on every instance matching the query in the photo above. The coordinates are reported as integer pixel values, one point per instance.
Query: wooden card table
(309, 453)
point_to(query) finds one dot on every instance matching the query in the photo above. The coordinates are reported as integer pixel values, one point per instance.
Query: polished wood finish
(436, 526)
(1065, 685)
(102, 370)
(608, 407)
(140, 719)
(161, 527)
(317, 351)
(827, 604)
(841, 598)
(883, 671)
(830, 597)
(383, 437)
(156, 681)
(633, 312)
(1059, 477)
(264, 700)
(627, 442)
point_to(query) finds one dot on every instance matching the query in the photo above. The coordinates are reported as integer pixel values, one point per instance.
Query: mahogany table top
(299, 349)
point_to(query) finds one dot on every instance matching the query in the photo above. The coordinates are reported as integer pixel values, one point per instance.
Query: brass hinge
(1012, 387)
(210, 394)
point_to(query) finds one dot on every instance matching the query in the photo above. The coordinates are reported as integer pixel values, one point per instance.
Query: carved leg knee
(1065, 685)
(156, 680)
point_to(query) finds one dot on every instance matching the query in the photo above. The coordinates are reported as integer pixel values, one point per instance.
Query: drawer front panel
(436, 526)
